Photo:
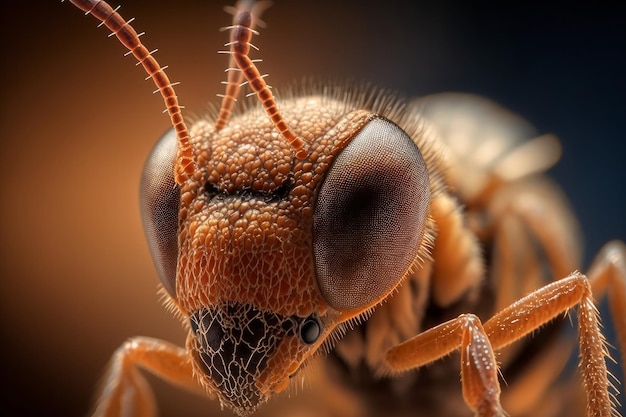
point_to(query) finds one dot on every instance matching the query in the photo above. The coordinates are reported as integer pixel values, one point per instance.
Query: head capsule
(274, 253)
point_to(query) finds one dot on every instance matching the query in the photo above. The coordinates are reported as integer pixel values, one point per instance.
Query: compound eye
(369, 216)
(159, 197)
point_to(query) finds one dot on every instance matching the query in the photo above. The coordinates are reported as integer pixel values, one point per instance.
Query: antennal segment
(127, 35)
(235, 76)
(239, 50)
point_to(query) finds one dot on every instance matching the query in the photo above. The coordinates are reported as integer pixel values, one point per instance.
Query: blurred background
(77, 122)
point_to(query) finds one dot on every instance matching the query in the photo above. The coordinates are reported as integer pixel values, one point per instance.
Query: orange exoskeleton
(383, 232)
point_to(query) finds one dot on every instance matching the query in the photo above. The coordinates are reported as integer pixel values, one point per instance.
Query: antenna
(127, 35)
(241, 34)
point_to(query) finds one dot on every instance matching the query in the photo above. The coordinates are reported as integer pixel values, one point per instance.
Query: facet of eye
(369, 216)
(159, 198)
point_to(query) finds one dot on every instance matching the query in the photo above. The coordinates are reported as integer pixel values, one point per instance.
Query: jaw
(243, 355)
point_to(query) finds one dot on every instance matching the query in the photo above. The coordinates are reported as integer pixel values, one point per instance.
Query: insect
(344, 215)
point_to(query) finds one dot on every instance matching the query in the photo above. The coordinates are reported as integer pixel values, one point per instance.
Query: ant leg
(519, 266)
(608, 274)
(541, 306)
(479, 370)
(125, 391)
